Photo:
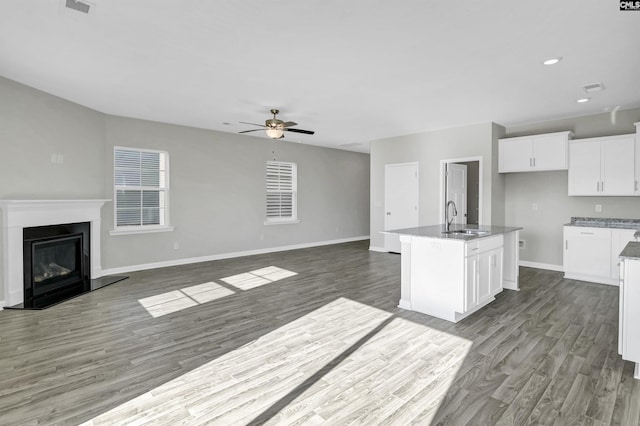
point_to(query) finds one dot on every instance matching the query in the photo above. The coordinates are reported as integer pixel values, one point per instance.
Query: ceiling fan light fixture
(274, 133)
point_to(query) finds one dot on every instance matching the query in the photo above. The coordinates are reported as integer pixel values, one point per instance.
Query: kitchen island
(451, 273)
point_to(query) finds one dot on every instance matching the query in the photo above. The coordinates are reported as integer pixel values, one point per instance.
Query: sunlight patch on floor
(177, 300)
(344, 362)
(258, 277)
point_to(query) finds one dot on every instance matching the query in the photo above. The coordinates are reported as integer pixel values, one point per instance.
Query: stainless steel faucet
(446, 213)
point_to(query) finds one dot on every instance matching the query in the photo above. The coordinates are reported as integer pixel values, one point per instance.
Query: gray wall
(217, 179)
(218, 193)
(479, 140)
(34, 125)
(543, 227)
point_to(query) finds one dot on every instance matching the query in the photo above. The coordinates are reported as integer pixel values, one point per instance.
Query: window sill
(141, 230)
(282, 222)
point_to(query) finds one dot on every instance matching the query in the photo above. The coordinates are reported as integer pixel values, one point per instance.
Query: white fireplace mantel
(20, 214)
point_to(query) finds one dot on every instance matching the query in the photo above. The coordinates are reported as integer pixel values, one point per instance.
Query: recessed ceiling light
(553, 61)
(583, 100)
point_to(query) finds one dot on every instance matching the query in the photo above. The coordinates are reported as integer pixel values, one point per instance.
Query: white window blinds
(281, 192)
(140, 179)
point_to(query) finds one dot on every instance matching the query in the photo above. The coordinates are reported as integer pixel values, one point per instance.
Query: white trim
(140, 230)
(2, 304)
(404, 304)
(281, 222)
(593, 279)
(187, 261)
(537, 265)
(378, 249)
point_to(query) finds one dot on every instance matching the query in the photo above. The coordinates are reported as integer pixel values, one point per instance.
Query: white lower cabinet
(591, 254)
(629, 323)
(484, 268)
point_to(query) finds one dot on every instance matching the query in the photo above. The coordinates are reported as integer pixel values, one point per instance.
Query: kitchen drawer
(483, 244)
(471, 248)
(486, 244)
(585, 232)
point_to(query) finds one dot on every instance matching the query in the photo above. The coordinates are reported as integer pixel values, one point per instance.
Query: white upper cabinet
(534, 153)
(602, 166)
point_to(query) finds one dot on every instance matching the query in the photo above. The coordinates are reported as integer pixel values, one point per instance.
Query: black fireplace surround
(57, 263)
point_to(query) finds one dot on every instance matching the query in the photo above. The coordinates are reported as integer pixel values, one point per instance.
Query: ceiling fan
(275, 127)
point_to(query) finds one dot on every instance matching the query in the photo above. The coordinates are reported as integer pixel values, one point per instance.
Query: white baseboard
(2, 304)
(404, 304)
(178, 262)
(537, 265)
(593, 279)
(378, 249)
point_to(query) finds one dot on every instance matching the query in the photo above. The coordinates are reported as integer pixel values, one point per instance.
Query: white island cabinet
(452, 275)
(629, 321)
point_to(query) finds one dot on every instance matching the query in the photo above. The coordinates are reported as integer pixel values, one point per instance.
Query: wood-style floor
(313, 336)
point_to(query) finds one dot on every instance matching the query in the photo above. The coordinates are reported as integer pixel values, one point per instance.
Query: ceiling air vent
(595, 87)
(78, 5)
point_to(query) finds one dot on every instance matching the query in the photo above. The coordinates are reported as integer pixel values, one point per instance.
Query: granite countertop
(603, 222)
(438, 231)
(631, 251)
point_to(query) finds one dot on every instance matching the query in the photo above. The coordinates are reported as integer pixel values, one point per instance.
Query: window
(282, 183)
(141, 188)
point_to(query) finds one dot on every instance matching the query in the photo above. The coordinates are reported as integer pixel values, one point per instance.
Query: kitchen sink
(466, 232)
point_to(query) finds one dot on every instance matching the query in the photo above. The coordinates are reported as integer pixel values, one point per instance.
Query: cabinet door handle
(597, 186)
(534, 161)
(566, 244)
(635, 185)
(602, 186)
(587, 233)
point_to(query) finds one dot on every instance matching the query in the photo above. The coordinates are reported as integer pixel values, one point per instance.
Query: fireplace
(57, 261)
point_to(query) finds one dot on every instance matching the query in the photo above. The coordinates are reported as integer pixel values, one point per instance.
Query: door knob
(388, 213)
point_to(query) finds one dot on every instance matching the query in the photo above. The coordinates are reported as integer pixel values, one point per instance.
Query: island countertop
(631, 251)
(439, 231)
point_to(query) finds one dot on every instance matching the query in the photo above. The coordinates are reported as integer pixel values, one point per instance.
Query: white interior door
(400, 201)
(457, 191)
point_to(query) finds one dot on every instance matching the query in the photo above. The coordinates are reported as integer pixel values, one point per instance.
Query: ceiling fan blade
(252, 130)
(289, 124)
(253, 124)
(306, 132)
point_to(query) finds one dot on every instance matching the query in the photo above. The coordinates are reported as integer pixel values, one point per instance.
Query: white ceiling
(353, 71)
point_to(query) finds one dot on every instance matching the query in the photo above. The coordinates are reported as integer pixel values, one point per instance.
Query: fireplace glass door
(56, 263)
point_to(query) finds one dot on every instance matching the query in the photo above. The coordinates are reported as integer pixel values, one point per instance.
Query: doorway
(461, 182)
(400, 201)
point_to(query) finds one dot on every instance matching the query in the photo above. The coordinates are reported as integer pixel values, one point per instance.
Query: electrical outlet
(176, 246)
(522, 244)
(598, 208)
